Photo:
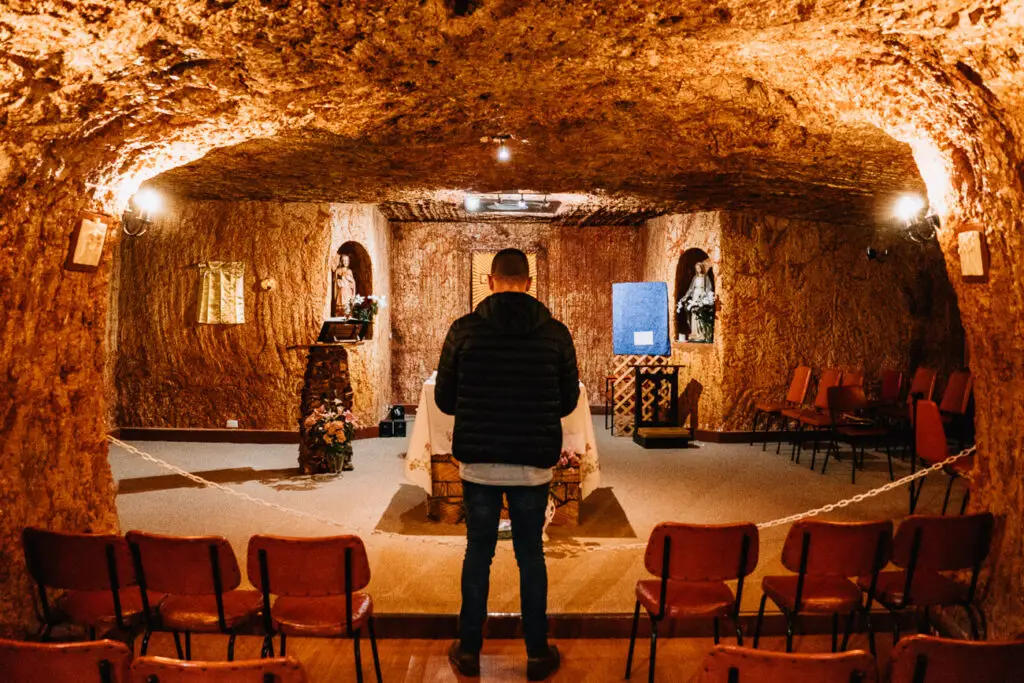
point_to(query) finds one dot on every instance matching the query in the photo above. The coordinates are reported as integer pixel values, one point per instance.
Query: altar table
(428, 462)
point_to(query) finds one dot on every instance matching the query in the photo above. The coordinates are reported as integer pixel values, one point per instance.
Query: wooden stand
(326, 380)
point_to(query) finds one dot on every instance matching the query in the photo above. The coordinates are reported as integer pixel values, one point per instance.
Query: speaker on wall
(640, 319)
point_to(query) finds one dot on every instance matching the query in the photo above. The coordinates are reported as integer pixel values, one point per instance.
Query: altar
(430, 466)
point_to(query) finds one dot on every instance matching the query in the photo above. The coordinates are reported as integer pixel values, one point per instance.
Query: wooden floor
(583, 660)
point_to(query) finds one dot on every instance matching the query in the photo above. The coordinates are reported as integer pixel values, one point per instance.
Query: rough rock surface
(174, 372)
(431, 266)
(791, 108)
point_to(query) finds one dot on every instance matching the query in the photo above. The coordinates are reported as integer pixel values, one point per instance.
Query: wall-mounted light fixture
(912, 210)
(138, 215)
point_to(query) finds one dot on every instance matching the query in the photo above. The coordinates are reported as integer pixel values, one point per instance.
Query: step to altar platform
(663, 437)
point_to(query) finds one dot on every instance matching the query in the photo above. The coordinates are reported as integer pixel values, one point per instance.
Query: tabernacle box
(640, 319)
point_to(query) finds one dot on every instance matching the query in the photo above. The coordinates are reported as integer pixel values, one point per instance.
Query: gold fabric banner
(221, 293)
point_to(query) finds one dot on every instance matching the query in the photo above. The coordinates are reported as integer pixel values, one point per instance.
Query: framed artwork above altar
(482, 268)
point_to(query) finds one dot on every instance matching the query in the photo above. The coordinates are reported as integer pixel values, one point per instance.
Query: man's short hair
(510, 264)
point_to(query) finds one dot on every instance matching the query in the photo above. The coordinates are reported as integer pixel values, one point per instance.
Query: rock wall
(53, 450)
(173, 372)
(576, 267)
(797, 292)
(664, 241)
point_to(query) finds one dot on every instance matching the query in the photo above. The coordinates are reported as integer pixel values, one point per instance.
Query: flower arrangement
(330, 429)
(569, 458)
(365, 308)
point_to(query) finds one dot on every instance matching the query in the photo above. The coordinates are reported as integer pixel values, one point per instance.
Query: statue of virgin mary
(699, 302)
(344, 288)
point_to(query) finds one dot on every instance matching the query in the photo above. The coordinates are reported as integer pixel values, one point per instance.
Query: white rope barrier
(860, 497)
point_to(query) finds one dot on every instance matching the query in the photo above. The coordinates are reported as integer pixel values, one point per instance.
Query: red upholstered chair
(923, 384)
(728, 664)
(931, 446)
(773, 411)
(891, 387)
(318, 583)
(925, 659)
(852, 378)
(926, 549)
(96, 573)
(200, 576)
(100, 661)
(955, 401)
(164, 670)
(844, 403)
(692, 563)
(824, 555)
(957, 394)
(817, 418)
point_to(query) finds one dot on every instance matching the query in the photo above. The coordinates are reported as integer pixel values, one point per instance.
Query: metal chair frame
(660, 616)
(791, 615)
(151, 625)
(115, 588)
(267, 649)
(967, 604)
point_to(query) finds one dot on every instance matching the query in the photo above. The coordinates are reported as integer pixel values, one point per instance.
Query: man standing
(508, 374)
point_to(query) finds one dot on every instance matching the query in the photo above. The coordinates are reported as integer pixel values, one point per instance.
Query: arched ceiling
(645, 106)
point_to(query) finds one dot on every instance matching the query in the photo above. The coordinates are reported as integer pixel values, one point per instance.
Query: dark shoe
(465, 663)
(539, 668)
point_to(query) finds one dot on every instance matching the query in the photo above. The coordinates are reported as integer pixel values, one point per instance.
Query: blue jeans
(526, 508)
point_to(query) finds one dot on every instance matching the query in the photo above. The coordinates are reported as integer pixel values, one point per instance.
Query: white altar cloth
(432, 435)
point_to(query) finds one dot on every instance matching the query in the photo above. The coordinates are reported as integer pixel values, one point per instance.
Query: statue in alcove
(344, 288)
(699, 303)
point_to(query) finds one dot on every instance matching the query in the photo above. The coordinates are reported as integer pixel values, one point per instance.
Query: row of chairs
(191, 585)
(838, 571)
(919, 659)
(109, 661)
(842, 413)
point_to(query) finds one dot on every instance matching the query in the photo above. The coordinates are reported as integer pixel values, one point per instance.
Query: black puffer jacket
(508, 374)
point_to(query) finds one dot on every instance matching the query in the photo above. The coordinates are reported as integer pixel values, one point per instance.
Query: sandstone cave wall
(792, 292)
(53, 451)
(664, 240)
(431, 266)
(173, 372)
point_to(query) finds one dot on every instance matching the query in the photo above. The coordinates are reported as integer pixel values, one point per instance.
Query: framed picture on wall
(482, 268)
(85, 250)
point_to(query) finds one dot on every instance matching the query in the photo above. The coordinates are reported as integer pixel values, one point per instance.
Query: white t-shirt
(503, 474)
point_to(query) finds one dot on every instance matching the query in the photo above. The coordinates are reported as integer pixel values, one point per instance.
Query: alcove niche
(362, 271)
(685, 270)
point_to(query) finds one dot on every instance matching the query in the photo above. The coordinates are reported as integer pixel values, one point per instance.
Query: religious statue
(344, 288)
(699, 302)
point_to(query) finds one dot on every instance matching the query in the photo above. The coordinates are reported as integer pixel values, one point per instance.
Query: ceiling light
(909, 206)
(472, 202)
(504, 153)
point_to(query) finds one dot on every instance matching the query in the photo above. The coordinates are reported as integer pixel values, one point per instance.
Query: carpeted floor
(416, 566)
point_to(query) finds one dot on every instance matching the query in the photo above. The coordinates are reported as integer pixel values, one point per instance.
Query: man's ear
(529, 283)
(490, 282)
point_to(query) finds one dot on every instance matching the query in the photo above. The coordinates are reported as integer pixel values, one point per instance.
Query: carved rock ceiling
(642, 106)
